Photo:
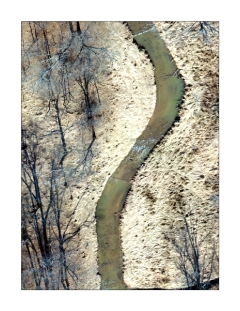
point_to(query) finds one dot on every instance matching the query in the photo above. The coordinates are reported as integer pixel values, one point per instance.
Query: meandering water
(169, 95)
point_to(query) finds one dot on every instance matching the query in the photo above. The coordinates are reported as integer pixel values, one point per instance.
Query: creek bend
(169, 95)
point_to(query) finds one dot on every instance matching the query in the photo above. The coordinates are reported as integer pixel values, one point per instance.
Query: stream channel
(169, 96)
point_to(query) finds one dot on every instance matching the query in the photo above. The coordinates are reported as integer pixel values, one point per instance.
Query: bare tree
(64, 68)
(202, 28)
(47, 234)
(180, 34)
(195, 261)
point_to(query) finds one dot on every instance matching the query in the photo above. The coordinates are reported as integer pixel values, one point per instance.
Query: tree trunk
(78, 29)
(71, 27)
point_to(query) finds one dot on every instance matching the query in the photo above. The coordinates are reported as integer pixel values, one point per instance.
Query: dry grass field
(180, 175)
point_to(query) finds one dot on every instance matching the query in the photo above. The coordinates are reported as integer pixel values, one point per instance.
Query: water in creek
(109, 244)
(169, 96)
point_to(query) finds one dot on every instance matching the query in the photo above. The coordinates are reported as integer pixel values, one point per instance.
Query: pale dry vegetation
(119, 118)
(181, 172)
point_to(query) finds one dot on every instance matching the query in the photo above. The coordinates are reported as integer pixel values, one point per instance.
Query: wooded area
(61, 66)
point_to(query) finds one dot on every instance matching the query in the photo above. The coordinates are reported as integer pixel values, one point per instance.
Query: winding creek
(169, 95)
